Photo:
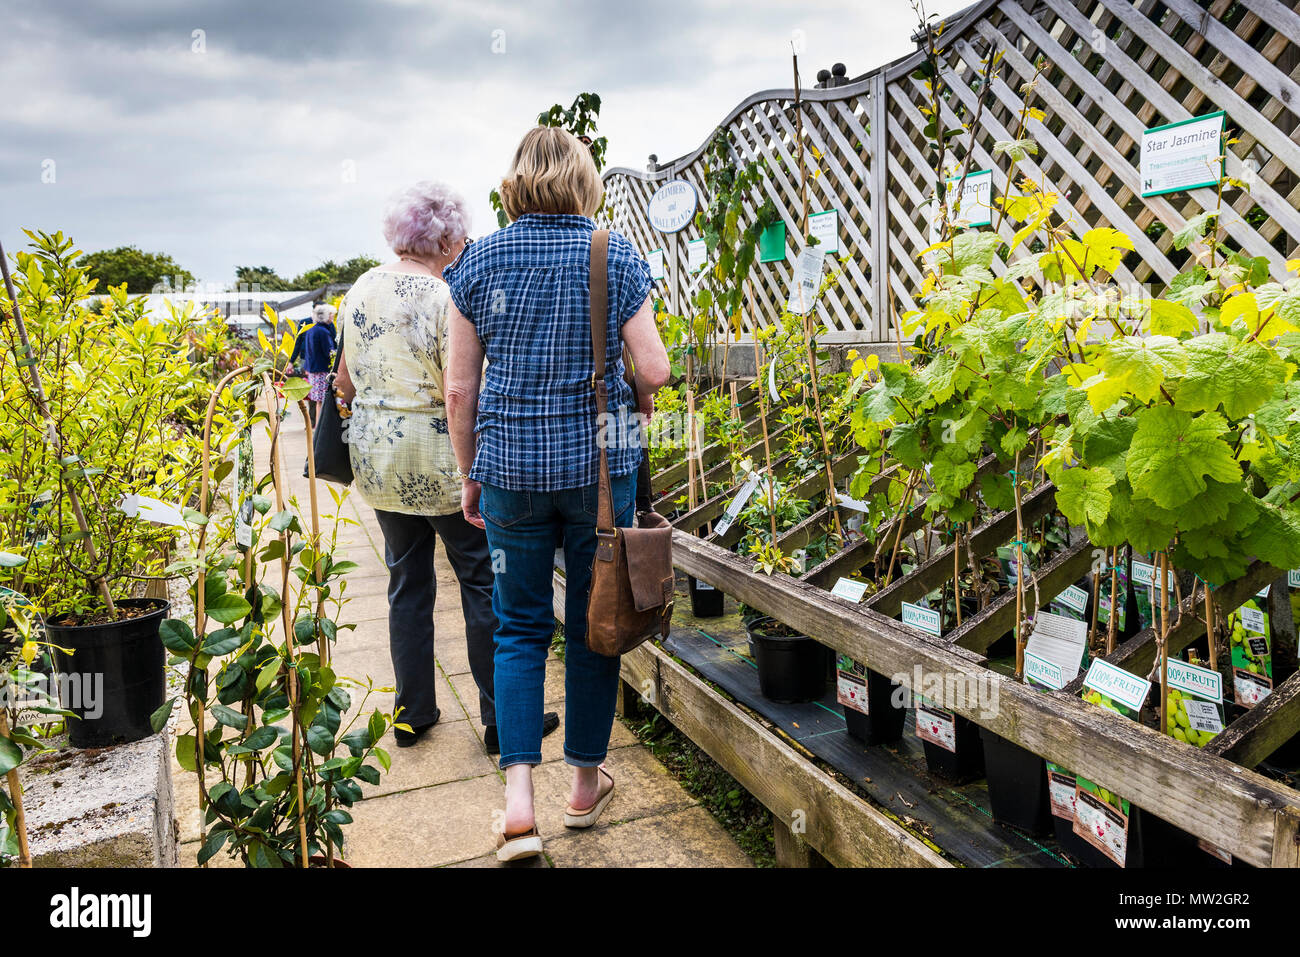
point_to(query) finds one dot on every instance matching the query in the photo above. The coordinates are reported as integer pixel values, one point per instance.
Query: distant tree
(142, 272)
(331, 272)
(261, 277)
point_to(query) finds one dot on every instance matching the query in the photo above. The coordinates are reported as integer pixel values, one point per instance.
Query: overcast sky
(232, 132)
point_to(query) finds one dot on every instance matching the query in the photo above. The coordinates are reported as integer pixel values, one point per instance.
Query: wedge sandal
(518, 847)
(586, 817)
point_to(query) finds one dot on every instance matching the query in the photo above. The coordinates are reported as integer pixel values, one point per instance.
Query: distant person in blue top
(526, 441)
(315, 348)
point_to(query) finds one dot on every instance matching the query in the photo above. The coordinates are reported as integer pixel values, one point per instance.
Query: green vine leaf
(1240, 376)
(1083, 494)
(1173, 452)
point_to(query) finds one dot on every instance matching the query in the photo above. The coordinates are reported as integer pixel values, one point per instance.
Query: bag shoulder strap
(598, 282)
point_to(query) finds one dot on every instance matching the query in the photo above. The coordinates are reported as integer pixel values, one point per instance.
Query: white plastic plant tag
(807, 280)
(151, 510)
(848, 589)
(737, 505)
(922, 618)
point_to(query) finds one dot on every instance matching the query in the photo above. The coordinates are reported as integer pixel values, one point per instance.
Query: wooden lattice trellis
(1114, 68)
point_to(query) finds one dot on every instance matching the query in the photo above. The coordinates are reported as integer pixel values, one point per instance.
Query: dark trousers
(412, 586)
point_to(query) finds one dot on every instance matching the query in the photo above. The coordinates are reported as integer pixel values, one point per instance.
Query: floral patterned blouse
(394, 331)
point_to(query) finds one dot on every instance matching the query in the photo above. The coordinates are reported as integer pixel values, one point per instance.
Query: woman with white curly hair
(393, 333)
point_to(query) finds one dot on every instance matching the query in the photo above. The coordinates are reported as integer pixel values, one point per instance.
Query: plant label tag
(1193, 679)
(1043, 672)
(1258, 646)
(1248, 688)
(655, 260)
(917, 616)
(799, 558)
(243, 490)
(975, 205)
(1183, 155)
(702, 585)
(1060, 641)
(151, 510)
(825, 228)
(807, 280)
(1252, 619)
(853, 503)
(737, 505)
(937, 726)
(851, 684)
(1061, 787)
(1144, 572)
(1117, 684)
(1293, 578)
(850, 590)
(697, 251)
(1203, 715)
(1074, 598)
(1101, 825)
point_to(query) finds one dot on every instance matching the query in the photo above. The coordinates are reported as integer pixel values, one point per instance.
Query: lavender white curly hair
(423, 219)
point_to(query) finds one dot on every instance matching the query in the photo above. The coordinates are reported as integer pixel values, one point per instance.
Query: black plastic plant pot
(960, 766)
(113, 680)
(884, 723)
(706, 601)
(1017, 785)
(792, 668)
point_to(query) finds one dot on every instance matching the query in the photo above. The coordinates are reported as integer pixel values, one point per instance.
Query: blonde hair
(552, 172)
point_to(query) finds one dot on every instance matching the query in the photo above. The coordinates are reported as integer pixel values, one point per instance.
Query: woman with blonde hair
(526, 447)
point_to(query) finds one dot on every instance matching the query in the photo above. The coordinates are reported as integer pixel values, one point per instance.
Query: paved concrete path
(436, 806)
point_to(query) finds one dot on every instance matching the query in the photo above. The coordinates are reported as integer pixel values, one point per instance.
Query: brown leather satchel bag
(631, 597)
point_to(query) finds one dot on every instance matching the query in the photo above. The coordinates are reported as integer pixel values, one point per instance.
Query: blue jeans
(524, 529)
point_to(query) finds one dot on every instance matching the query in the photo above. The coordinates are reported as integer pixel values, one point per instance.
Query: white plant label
(1043, 671)
(1183, 155)
(702, 585)
(771, 382)
(1117, 684)
(1252, 619)
(697, 252)
(1293, 578)
(799, 558)
(1074, 598)
(976, 207)
(807, 280)
(1144, 572)
(852, 503)
(825, 228)
(937, 726)
(151, 510)
(923, 618)
(1203, 716)
(848, 589)
(655, 260)
(1193, 679)
(1059, 640)
(737, 505)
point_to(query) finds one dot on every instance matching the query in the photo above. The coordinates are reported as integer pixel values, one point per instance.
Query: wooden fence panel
(1110, 69)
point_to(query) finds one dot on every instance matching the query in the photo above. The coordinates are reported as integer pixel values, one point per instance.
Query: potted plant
(97, 472)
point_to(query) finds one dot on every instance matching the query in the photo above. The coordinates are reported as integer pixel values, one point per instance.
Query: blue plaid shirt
(525, 289)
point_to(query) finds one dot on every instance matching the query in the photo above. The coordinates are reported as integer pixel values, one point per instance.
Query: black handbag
(330, 437)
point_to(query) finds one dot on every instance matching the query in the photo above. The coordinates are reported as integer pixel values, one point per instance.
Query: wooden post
(791, 849)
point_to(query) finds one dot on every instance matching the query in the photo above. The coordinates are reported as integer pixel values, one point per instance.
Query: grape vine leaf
(1083, 494)
(1240, 375)
(1173, 451)
(1139, 366)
